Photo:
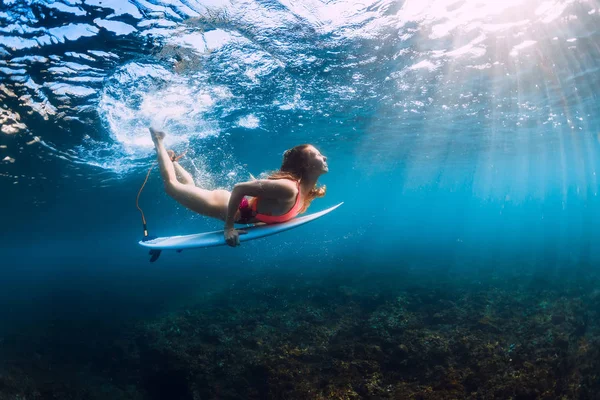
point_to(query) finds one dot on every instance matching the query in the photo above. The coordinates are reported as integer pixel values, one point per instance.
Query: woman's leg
(182, 175)
(212, 203)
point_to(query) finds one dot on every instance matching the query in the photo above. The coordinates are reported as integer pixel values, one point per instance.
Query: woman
(285, 194)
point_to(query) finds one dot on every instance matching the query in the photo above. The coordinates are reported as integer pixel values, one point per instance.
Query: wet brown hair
(293, 167)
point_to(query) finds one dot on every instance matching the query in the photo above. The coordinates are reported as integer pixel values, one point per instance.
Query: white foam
(17, 43)
(117, 27)
(73, 31)
(217, 38)
(249, 122)
(102, 54)
(143, 95)
(425, 64)
(62, 89)
(31, 59)
(10, 122)
(523, 45)
(65, 8)
(79, 55)
(11, 72)
(120, 7)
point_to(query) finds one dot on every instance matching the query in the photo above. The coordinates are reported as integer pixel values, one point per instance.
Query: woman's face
(316, 161)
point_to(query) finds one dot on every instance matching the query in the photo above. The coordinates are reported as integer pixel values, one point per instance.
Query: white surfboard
(216, 238)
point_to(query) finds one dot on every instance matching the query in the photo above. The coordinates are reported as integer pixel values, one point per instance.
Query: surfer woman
(279, 198)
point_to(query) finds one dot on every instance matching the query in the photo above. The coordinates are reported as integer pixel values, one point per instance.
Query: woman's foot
(156, 135)
(175, 157)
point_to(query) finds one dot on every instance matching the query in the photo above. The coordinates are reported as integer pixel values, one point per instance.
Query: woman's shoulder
(292, 186)
(273, 188)
(287, 181)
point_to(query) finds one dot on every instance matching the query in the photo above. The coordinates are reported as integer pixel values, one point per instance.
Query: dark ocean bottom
(341, 334)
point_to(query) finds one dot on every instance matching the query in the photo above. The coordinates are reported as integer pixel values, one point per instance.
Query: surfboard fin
(155, 254)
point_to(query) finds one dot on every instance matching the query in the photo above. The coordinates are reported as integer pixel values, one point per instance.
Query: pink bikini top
(276, 219)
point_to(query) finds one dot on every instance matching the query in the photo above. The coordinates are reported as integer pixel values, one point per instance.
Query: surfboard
(216, 238)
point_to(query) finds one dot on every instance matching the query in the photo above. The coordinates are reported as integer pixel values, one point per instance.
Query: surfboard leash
(153, 252)
(137, 202)
(137, 199)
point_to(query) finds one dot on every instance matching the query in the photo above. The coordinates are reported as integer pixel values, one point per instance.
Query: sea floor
(338, 335)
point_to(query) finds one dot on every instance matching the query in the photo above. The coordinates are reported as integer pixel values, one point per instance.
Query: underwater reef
(338, 335)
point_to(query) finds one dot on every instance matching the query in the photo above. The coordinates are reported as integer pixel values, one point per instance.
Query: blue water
(461, 135)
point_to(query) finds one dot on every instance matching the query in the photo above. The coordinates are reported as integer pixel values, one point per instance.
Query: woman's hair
(295, 161)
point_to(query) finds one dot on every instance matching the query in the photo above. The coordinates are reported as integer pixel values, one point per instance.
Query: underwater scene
(461, 138)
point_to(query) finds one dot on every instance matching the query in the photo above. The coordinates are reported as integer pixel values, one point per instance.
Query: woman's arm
(271, 188)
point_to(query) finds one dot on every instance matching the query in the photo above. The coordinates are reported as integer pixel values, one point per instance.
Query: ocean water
(461, 135)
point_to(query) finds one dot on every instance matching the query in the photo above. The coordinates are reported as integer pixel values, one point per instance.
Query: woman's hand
(232, 236)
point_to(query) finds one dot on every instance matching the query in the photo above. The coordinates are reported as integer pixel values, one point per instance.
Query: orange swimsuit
(248, 212)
